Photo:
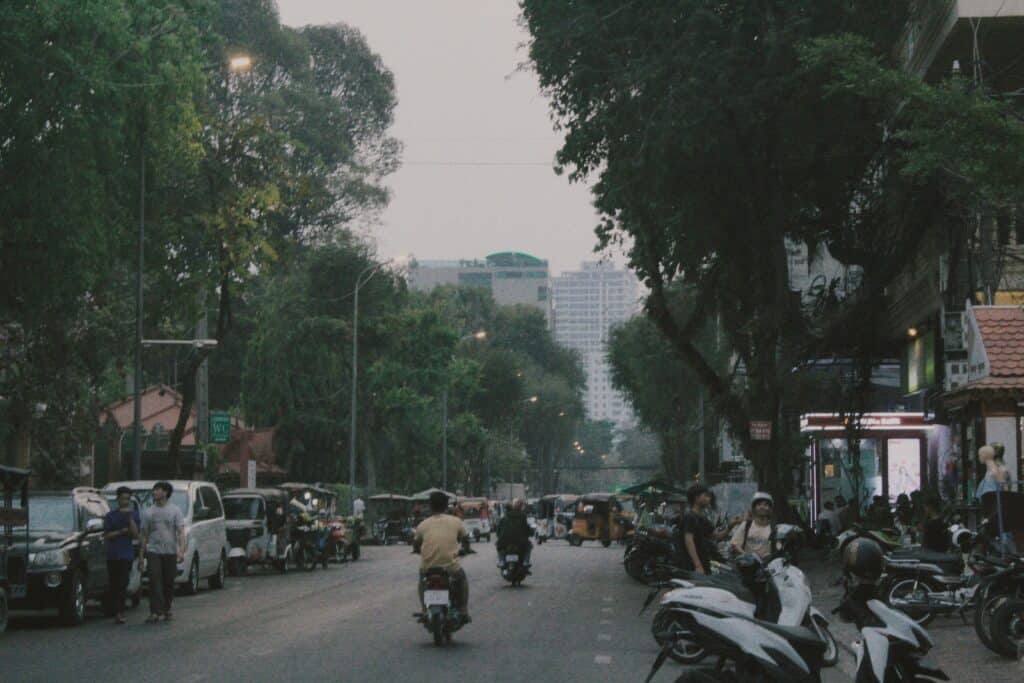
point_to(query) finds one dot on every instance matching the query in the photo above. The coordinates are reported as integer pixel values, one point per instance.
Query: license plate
(511, 558)
(431, 598)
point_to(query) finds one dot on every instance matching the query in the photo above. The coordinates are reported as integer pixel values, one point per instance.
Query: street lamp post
(236, 63)
(479, 336)
(368, 274)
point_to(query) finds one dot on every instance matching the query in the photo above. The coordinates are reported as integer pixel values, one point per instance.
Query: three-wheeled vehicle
(554, 516)
(601, 517)
(13, 518)
(475, 517)
(390, 517)
(257, 528)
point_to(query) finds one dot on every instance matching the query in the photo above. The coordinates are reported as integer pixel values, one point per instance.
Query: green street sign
(220, 427)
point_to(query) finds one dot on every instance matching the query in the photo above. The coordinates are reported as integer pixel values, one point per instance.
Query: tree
(290, 152)
(711, 146)
(72, 74)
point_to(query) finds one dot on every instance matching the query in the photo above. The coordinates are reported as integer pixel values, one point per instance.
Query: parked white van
(206, 540)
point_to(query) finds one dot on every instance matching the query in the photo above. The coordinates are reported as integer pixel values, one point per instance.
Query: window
(211, 501)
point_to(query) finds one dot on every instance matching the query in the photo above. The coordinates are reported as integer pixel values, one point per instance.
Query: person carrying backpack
(757, 534)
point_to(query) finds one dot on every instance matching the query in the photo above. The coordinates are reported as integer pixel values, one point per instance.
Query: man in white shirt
(358, 507)
(757, 534)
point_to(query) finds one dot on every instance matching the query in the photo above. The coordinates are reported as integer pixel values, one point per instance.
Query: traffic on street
(538, 341)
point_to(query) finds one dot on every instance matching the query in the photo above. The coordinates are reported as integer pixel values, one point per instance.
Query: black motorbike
(997, 628)
(512, 564)
(651, 547)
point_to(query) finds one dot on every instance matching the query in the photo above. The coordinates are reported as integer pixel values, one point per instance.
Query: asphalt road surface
(575, 620)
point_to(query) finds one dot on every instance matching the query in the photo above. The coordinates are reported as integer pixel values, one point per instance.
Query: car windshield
(51, 513)
(243, 508)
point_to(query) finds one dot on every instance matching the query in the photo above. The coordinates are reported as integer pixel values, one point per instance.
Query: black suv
(67, 555)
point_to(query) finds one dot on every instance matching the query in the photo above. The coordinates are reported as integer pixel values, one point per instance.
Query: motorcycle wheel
(1008, 628)
(354, 552)
(635, 563)
(901, 590)
(684, 651)
(984, 609)
(575, 541)
(302, 562)
(437, 628)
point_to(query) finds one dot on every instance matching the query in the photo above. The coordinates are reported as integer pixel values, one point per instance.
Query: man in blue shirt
(120, 527)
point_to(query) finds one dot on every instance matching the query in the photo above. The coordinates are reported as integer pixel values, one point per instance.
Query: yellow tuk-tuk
(602, 517)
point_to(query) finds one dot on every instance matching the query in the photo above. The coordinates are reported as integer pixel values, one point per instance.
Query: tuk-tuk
(555, 516)
(390, 517)
(602, 517)
(13, 515)
(257, 528)
(344, 532)
(475, 517)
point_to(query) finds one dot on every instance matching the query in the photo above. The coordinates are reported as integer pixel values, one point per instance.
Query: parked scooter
(888, 539)
(778, 593)
(1003, 584)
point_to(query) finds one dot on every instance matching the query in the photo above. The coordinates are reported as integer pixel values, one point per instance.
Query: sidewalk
(957, 648)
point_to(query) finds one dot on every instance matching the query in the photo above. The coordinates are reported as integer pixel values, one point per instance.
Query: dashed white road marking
(603, 636)
(602, 659)
(609, 599)
(605, 622)
(607, 610)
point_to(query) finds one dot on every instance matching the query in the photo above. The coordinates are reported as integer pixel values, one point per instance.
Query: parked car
(67, 555)
(206, 540)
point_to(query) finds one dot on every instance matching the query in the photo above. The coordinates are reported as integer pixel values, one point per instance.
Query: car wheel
(3, 610)
(192, 584)
(217, 580)
(72, 608)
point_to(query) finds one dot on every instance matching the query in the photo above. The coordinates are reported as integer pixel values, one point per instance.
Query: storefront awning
(995, 347)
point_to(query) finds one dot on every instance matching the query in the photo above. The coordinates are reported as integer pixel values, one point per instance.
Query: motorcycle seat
(801, 638)
(734, 586)
(949, 563)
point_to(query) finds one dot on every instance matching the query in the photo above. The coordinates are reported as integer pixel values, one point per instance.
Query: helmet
(863, 558)
(962, 537)
(747, 566)
(761, 496)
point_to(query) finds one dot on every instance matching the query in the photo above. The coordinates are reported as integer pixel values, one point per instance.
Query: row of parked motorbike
(755, 619)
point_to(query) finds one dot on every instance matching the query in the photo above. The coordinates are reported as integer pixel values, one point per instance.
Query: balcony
(942, 31)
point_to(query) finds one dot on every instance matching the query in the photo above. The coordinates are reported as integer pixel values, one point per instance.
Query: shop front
(897, 455)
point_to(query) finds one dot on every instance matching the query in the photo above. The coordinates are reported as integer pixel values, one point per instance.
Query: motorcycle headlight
(48, 558)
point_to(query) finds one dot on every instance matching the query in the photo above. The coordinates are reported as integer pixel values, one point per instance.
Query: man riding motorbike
(514, 534)
(438, 540)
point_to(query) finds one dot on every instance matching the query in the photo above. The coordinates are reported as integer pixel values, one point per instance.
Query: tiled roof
(1002, 332)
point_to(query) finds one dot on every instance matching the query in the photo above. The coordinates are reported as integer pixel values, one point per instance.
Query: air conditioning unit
(956, 374)
(954, 325)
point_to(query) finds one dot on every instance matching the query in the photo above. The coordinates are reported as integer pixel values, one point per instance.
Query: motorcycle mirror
(660, 661)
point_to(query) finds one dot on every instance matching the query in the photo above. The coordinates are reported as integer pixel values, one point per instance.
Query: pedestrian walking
(163, 542)
(120, 529)
(358, 508)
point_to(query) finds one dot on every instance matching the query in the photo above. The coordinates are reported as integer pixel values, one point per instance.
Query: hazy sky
(461, 101)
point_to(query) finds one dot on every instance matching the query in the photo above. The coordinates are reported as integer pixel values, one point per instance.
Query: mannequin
(995, 472)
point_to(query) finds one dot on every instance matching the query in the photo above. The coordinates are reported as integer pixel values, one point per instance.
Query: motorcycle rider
(757, 534)
(514, 534)
(438, 540)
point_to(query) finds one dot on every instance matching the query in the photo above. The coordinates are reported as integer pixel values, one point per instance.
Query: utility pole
(355, 380)
(444, 438)
(700, 432)
(137, 409)
(203, 383)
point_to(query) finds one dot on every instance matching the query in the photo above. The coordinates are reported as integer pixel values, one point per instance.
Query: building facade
(512, 278)
(588, 303)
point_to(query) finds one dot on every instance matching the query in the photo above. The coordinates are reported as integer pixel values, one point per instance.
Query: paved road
(575, 620)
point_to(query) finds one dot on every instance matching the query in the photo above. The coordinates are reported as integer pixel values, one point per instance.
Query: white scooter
(779, 594)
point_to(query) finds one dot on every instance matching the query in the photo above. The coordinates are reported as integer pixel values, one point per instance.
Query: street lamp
(364, 276)
(479, 335)
(236, 63)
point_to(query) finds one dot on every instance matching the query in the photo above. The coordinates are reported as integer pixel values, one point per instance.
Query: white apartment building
(511, 277)
(587, 304)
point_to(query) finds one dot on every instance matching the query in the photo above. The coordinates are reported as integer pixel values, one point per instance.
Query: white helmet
(761, 496)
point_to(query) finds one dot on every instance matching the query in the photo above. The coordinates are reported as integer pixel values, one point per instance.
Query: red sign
(760, 430)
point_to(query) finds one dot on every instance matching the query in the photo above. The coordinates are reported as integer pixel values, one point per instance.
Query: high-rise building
(511, 277)
(587, 304)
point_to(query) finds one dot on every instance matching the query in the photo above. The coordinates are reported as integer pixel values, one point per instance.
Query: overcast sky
(461, 101)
